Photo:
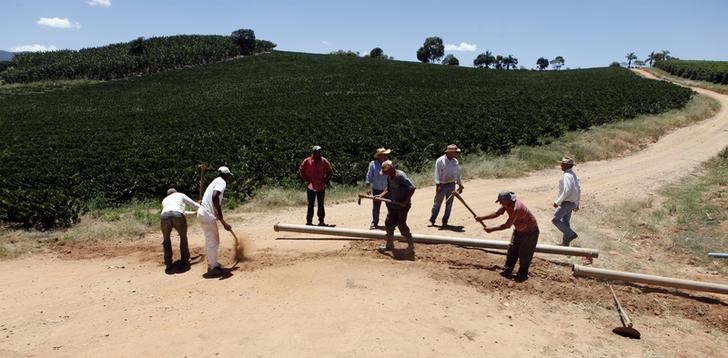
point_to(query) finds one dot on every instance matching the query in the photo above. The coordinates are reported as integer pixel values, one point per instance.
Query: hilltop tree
(450, 60)
(630, 57)
(137, 47)
(510, 61)
(652, 58)
(666, 55)
(245, 39)
(484, 60)
(557, 62)
(348, 53)
(264, 46)
(376, 52)
(615, 64)
(498, 62)
(542, 63)
(432, 50)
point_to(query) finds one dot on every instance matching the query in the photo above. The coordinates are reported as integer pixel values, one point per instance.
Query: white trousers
(212, 235)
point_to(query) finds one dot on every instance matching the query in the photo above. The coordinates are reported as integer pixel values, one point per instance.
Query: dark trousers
(376, 207)
(315, 196)
(522, 246)
(179, 223)
(397, 217)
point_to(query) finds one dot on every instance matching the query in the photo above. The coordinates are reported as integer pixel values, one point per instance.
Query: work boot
(521, 277)
(214, 272)
(567, 241)
(169, 269)
(308, 223)
(506, 273)
(373, 226)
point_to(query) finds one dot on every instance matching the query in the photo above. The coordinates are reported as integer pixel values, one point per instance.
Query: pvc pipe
(583, 271)
(432, 239)
(719, 255)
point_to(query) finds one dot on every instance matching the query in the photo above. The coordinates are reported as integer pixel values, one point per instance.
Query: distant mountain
(6, 56)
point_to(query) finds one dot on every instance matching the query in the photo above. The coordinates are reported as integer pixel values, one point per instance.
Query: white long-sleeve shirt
(447, 171)
(569, 189)
(176, 202)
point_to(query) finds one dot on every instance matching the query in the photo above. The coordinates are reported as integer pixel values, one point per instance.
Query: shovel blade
(627, 332)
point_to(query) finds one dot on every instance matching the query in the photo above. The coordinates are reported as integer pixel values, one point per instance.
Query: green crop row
(118, 61)
(112, 142)
(711, 71)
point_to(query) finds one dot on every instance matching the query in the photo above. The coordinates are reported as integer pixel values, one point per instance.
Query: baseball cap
(316, 148)
(171, 191)
(506, 194)
(224, 170)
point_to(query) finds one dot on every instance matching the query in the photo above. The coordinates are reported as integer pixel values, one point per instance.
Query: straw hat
(567, 160)
(452, 148)
(381, 151)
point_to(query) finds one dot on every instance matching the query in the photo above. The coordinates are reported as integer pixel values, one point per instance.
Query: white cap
(224, 170)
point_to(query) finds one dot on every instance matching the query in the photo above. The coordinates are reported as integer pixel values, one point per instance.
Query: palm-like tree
(630, 57)
(511, 62)
(651, 58)
(666, 55)
(484, 60)
(499, 62)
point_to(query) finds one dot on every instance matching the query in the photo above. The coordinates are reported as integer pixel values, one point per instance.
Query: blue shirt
(378, 181)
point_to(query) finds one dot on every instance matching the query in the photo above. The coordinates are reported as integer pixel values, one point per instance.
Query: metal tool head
(628, 332)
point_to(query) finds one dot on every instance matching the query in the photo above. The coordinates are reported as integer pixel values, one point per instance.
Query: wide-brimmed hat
(381, 151)
(386, 165)
(452, 148)
(506, 194)
(567, 160)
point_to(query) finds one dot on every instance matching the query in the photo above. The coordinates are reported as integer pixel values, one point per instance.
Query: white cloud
(63, 23)
(33, 48)
(463, 46)
(103, 3)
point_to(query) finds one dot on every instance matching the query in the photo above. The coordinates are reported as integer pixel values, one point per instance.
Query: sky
(586, 33)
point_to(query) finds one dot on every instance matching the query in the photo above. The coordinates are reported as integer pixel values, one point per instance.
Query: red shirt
(519, 217)
(316, 172)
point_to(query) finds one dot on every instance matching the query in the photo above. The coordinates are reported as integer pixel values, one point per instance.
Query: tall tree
(432, 50)
(376, 53)
(245, 39)
(542, 63)
(651, 58)
(557, 62)
(498, 62)
(484, 60)
(666, 55)
(510, 61)
(615, 64)
(630, 57)
(450, 60)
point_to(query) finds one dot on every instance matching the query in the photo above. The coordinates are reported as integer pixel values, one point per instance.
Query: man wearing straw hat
(567, 202)
(400, 188)
(377, 183)
(447, 174)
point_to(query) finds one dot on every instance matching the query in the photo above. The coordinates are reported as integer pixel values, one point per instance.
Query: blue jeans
(445, 191)
(562, 219)
(376, 206)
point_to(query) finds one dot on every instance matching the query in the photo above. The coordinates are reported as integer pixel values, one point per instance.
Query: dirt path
(324, 298)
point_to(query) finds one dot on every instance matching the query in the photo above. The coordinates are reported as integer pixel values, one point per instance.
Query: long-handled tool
(626, 329)
(457, 195)
(203, 169)
(365, 196)
(239, 249)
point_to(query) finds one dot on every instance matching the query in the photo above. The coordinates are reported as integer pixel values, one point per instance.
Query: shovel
(365, 196)
(626, 329)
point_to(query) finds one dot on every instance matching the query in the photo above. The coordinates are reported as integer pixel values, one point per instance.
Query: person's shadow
(398, 254)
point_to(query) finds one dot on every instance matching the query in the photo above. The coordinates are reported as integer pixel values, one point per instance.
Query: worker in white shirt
(208, 214)
(173, 216)
(567, 202)
(447, 174)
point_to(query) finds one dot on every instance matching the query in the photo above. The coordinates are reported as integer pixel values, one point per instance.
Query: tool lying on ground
(626, 329)
(718, 255)
(457, 195)
(239, 248)
(365, 196)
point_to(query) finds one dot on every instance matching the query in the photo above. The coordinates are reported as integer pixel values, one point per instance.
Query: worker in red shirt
(525, 233)
(316, 171)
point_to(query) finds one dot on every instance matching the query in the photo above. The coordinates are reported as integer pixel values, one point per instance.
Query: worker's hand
(369, 192)
(479, 218)
(460, 189)
(556, 205)
(437, 188)
(227, 226)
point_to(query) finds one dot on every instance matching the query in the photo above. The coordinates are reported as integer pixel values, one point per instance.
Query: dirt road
(324, 298)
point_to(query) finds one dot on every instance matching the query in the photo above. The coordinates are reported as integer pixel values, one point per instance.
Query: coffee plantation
(112, 142)
(711, 71)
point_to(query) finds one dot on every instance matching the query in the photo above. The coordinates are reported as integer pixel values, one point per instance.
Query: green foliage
(711, 71)
(558, 62)
(114, 142)
(263, 46)
(376, 52)
(615, 64)
(542, 63)
(432, 50)
(138, 57)
(348, 53)
(484, 60)
(450, 60)
(245, 40)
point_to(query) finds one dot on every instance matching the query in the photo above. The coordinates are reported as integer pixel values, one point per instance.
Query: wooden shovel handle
(457, 195)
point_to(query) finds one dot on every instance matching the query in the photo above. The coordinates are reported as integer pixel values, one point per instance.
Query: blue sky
(586, 33)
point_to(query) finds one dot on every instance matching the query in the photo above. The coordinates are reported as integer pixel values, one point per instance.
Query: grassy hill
(114, 141)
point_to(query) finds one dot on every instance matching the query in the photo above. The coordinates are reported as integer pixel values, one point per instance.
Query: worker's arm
(383, 194)
(438, 175)
(190, 202)
(370, 178)
(507, 224)
(492, 215)
(218, 210)
(409, 195)
(302, 171)
(460, 180)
